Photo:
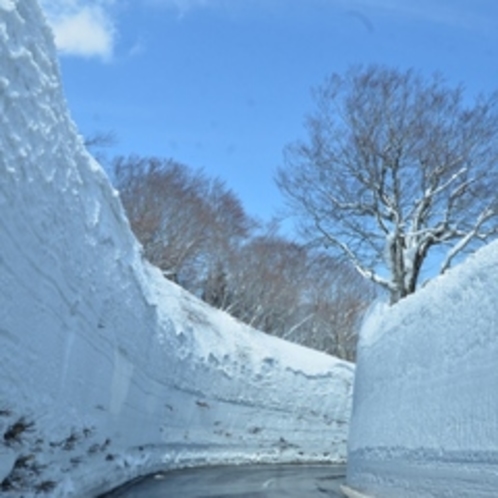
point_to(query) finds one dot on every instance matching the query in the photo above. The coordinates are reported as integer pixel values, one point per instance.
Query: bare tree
(189, 225)
(294, 292)
(266, 282)
(165, 205)
(338, 297)
(229, 228)
(394, 166)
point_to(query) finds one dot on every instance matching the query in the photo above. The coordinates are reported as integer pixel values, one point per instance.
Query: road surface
(256, 481)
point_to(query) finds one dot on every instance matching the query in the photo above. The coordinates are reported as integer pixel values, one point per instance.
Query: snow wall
(425, 408)
(107, 370)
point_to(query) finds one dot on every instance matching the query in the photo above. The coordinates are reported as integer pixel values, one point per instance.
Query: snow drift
(425, 409)
(108, 371)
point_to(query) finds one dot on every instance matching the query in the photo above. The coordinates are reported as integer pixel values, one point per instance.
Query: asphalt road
(262, 481)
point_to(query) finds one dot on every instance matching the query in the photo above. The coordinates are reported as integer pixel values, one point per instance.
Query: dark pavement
(255, 481)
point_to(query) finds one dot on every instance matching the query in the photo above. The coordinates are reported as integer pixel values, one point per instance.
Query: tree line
(197, 232)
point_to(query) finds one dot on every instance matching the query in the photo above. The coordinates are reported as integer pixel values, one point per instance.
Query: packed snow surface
(107, 370)
(425, 410)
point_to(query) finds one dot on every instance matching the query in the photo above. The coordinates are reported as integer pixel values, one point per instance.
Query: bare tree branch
(394, 166)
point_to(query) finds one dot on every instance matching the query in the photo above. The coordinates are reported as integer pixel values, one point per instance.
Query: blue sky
(224, 85)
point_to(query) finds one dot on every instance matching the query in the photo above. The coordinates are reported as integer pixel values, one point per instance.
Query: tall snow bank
(425, 410)
(108, 371)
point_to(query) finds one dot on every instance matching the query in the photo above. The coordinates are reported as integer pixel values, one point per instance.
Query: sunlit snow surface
(425, 415)
(107, 370)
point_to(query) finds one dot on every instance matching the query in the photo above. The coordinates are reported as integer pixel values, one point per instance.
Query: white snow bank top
(426, 401)
(107, 370)
(461, 285)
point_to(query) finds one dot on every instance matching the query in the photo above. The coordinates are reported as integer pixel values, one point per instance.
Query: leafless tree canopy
(182, 218)
(395, 165)
(197, 232)
(294, 292)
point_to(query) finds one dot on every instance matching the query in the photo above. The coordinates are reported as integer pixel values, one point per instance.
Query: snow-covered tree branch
(394, 166)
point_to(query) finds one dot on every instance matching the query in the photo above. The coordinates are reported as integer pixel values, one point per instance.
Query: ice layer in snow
(425, 408)
(107, 370)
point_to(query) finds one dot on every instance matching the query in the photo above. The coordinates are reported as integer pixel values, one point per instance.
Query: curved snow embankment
(425, 410)
(108, 371)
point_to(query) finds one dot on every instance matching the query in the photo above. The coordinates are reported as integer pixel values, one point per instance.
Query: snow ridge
(107, 371)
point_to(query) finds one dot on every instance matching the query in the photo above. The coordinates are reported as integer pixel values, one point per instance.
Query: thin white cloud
(82, 27)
